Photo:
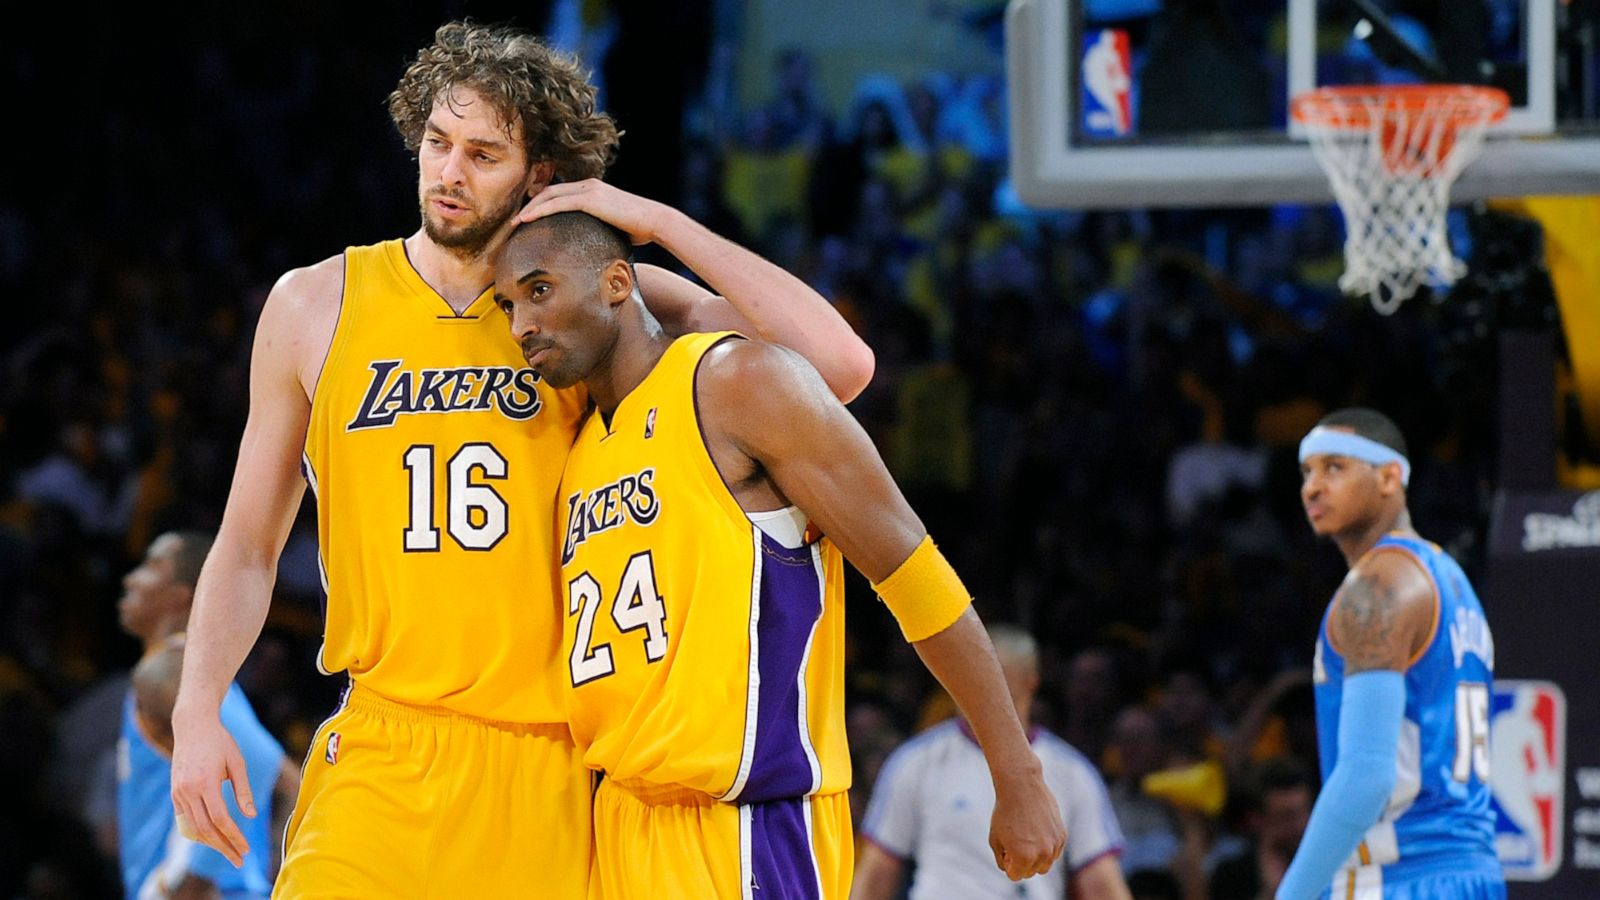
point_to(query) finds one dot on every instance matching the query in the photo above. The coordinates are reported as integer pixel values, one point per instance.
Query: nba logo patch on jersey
(1107, 83)
(1527, 739)
(332, 755)
(650, 423)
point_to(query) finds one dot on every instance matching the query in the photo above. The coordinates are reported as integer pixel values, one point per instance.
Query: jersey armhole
(336, 340)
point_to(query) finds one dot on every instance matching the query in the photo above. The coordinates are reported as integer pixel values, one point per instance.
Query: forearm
(779, 307)
(1357, 790)
(963, 660)
(230, 607)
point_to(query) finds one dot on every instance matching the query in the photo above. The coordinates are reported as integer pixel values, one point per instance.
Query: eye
(505, 306)
(539, 290)
(486, 159)
(434, 143)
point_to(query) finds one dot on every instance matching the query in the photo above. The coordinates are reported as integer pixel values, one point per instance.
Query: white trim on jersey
(322, 566)
(747, 872)
(1368, 884)
(747, 753)
(804, 709)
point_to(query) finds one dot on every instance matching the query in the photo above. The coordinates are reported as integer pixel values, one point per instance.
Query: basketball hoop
(1391, 153)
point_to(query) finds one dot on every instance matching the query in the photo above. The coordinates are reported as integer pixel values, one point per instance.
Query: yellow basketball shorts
(411, 802)
(653, 843)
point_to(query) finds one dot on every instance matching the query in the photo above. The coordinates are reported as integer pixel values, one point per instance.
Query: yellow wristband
(925, 594)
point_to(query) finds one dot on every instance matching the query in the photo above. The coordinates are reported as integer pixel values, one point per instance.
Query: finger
(230, 841)
(241, 784)
(203, 829)
(552, 192)
(542, 206)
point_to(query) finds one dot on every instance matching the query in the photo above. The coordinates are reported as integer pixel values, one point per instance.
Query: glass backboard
(1185, 102)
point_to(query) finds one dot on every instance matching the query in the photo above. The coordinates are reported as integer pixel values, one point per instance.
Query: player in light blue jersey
(155, 860)
(1403, 666)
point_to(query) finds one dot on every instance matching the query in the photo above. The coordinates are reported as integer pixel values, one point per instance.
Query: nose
(454, 168)
(523, 322)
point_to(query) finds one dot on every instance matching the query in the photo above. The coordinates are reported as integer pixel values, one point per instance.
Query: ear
(1389, 482)
(539, 176)
(616, 281)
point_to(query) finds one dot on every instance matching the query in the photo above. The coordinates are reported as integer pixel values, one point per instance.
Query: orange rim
(1348, 107)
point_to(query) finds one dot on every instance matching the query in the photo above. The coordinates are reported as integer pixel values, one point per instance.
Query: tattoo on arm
(1366, 626)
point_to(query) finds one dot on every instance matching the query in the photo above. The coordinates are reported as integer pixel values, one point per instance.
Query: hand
(639, 217)
(205, 755)
(1026, 833)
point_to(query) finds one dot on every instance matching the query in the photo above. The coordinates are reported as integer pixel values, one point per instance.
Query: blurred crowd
(1095, 413)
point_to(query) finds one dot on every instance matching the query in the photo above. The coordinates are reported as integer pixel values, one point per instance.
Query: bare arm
(878, 874)
(1100, 880)
(769, 419)
(757, 297)
(1383, 614)
(235, 586)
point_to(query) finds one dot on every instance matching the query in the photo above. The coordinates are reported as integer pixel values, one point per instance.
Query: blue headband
(1332, 442)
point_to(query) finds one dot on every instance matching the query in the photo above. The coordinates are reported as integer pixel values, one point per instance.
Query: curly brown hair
(525, 80)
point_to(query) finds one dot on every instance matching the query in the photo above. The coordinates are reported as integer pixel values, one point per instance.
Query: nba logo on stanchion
(1107, 84)
(1528, 776)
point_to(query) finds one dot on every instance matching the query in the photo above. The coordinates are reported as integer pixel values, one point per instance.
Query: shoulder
(762, 382)
(309, 289)
(736, 361)
(1384, 611)
(1393, 571)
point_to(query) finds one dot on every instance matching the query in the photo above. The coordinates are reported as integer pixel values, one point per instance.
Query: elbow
(856, 365)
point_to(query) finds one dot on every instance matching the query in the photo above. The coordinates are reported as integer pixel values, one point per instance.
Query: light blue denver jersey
(144, 807)
(1438, 817)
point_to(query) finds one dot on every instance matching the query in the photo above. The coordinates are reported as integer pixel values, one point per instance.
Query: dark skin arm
(1383, 614)
(779, 437)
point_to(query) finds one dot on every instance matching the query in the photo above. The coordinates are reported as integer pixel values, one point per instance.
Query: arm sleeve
(892, 814)
(1358, 788)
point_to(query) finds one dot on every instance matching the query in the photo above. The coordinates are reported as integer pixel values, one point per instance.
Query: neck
(165, 629)
(639, 345)
(458, 277)
(1355, 543)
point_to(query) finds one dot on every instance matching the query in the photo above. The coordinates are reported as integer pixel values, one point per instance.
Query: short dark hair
(193, 546)
(1370, 424)
(596, 240)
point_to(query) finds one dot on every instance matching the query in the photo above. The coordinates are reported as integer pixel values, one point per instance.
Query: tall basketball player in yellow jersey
(704, 628)
(385, 378)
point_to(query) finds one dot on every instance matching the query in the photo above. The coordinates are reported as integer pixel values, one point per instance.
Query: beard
(468, 239)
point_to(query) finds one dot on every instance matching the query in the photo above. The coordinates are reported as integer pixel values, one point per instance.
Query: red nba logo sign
(1527, 745)
(1107, 83)
(333, 748)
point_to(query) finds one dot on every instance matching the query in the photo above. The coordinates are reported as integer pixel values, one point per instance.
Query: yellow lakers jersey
(701, 652)
(435, 454)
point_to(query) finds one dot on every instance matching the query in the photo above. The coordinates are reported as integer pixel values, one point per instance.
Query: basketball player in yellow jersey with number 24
(386, 377)
(704, 629)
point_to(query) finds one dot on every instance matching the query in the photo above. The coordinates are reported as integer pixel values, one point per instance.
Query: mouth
(537, 357)
(449, 209)
(1315, 511)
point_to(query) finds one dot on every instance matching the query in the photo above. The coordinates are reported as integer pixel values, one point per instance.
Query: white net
(1391, 155)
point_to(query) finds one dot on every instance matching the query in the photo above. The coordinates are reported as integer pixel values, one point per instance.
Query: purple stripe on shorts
(782, 866)
(791, 603)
